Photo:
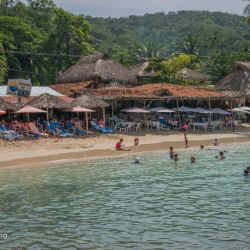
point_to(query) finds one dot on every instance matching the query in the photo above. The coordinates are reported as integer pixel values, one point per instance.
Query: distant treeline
(38, 40)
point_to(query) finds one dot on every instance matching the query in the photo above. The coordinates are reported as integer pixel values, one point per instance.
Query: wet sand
(48, 151)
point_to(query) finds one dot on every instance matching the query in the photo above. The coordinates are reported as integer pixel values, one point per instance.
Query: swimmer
(136, 160)
(221, 155)
(246, 173)
(193, 160)
(216, 143)
(202, 147)
(176, 157)
(171, 153)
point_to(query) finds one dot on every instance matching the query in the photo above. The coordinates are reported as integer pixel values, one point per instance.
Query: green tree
(3, 62)
(190, 45)
(148, 50)
(166, 70)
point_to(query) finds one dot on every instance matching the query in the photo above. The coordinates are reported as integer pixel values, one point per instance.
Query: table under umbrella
(29, 110)
(137, 110)
(79, 109)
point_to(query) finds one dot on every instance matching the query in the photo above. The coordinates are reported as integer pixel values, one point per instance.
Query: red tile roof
(155, 90)
(69, 88)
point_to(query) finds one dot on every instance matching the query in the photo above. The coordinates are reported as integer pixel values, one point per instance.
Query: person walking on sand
(185, 138)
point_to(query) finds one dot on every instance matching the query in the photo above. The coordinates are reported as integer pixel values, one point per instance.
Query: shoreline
(48, 157)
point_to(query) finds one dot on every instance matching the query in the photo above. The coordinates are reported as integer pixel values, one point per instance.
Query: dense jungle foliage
(38, 40)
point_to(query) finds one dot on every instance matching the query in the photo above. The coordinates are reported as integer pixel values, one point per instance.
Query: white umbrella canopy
(184, 109)
(161, 110)
(245, 108)
(219, 111)
(29, 110)
(135, 110)
(78, 109)
(200, 110)
(239, 110)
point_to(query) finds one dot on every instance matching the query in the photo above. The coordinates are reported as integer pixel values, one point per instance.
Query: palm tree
(148, 50)
(190, 45)
(247, 9)
(247, 12)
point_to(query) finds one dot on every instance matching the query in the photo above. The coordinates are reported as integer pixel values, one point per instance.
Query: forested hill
(38, 40)
(118, 36)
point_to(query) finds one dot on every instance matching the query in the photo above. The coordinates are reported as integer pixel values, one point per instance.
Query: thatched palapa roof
(48, 101)
(237, 83)
(89, 101)
(192, 75)
(6, 106)
(140, 70)
(98, 66)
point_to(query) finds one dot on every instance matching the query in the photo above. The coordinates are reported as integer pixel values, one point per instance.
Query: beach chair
(104, 130)
(37, 133)
(55, 129)
(10, 135)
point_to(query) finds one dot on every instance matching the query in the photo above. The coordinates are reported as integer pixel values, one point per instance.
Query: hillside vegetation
(38, 40)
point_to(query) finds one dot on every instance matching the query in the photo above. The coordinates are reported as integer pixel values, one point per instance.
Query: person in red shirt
(119, 146)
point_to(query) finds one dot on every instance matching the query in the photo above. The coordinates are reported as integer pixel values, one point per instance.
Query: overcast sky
(117, 8)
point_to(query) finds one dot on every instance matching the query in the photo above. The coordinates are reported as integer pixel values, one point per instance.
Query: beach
(48, 151)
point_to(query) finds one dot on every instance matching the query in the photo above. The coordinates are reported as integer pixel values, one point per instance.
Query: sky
(118, 8)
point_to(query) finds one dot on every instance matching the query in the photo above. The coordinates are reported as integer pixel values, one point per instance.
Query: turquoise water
(113, 204)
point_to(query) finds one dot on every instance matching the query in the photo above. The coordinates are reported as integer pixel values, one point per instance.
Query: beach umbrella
(139, 111)
(200, 111)
(90, 102)
(47, 101)
(2, 112)
(161, 110)
(219, 111)
(245, 108)
(29, 110)
(184, 109)
(135, 110)
(78, 110)
(240, 110)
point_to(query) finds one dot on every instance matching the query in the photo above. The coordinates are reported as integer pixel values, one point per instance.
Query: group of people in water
(175, 156)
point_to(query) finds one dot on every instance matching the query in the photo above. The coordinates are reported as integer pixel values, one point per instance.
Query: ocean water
(114, 204)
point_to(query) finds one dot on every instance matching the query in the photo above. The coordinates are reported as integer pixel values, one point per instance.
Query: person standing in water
(185, 138)
(171, 153)
(176, 157)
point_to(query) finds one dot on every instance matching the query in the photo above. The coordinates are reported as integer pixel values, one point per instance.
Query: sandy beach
(48, 151)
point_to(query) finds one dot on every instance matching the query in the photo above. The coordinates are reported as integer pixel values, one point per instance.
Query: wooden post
(47, 114)
(87, 121)
(112, 114)
(178, 113)
(210, 115)
(232, 115)
(104, 115)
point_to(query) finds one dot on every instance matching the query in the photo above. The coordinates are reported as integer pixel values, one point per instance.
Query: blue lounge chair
(99, 129)
(55, 129)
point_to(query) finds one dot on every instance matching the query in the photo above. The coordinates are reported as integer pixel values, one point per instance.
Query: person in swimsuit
(176, 157)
